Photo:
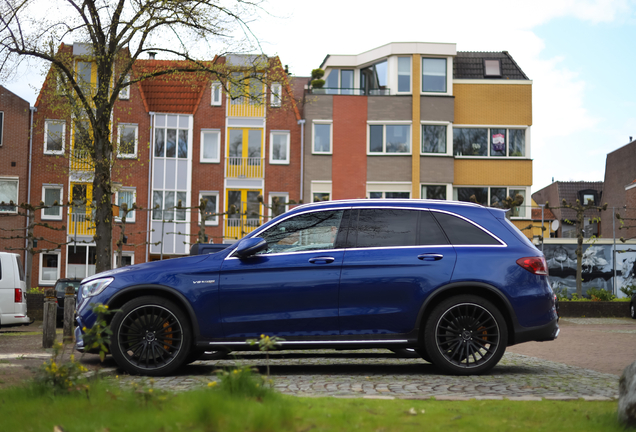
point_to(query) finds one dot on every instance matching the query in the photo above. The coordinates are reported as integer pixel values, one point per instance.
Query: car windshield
(60, 286)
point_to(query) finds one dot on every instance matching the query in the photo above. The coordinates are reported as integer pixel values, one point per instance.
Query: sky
(579, 54)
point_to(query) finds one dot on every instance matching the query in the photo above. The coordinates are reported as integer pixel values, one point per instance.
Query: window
(373, 79)
(404, 75)
(278, 203)
(81, 261)
(491, 197)
(127, 196)
(52, 197)
(322, 138)
(211, 207)
(164, 205)
(492, 68)
(127, 259)
(49, 268)
(8, 194)
(494, 142)
(279, 147)
(320, 196)
(390, 195)
(276, 96)
(331, 82)
(305, 232)
(346, 81)
(127, 138)
(437, 192)
(462, 232)
(171, 136)
(434, 139)
(1, 126)
(210, 146)
(387, 139)
(54, 132)
(216, 94)
(124, 93)
(434, 75)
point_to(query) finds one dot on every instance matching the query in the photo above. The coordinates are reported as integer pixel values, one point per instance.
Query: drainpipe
(150, 153)
(302, 153)
(28, 258)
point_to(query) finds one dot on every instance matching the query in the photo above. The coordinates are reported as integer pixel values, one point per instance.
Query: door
(245, 150)
(80, 222)
(394, 259)
(243, 211)
(291, 289)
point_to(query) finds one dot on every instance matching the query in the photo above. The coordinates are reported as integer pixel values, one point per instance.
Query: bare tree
(114, 35)
(579, 225)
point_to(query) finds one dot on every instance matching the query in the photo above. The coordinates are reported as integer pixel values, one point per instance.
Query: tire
(632, 312)
(422, 352)
(465, 335)
(151, 336)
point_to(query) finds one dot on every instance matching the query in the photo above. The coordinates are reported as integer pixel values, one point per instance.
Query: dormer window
(492, 68)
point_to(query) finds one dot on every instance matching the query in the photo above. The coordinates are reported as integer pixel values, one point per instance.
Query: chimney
(151, 55)
(630, 139)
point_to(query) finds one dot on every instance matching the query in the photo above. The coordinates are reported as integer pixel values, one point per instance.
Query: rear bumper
(12, 320)
(546, 332)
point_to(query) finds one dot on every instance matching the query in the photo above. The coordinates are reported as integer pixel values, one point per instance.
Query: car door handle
(318, 260)
(430, 257)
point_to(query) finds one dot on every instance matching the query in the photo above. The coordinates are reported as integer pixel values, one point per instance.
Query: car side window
(430, 231)
(305, 232)
(461, 232)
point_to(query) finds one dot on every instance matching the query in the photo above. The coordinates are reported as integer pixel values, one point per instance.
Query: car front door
(394, 259)
(290, 289)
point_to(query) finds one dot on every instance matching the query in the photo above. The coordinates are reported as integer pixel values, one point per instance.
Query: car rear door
(394, 258)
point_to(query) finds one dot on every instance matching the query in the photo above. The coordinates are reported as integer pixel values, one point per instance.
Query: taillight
(18, 295)
(535, 265)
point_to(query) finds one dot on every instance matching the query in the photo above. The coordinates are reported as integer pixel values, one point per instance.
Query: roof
(470, 65)
(547, 214)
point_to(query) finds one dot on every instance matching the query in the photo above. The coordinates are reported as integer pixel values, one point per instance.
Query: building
(14, 169)
(420, 120)
(585, 192)
(177, 139)
(619, 190)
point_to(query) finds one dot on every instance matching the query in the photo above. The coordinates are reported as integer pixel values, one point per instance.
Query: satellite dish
(554, 225)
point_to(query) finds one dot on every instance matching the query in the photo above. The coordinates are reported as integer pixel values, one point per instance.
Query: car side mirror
(250, 246)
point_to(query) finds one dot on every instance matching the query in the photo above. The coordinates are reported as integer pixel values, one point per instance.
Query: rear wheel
(632, 312)
(151, 336)
(465, 335)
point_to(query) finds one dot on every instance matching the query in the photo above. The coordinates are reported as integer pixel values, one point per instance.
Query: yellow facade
(493, 172)
(415, 161)
(493, 104)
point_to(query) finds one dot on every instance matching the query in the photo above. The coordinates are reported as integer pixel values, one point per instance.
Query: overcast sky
(579, 54)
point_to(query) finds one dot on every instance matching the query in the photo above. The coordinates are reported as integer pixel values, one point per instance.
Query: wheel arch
(168, 293)
(480, 289)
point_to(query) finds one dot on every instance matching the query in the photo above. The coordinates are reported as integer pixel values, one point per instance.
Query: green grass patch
(105, 407)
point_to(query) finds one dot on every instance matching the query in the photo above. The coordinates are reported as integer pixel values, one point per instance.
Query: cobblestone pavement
(381, 374)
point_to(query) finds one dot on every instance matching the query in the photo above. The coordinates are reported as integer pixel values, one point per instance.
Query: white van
(13, 307)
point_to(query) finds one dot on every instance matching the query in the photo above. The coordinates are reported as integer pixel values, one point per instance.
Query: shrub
(243, 382)
(597, 294)
(318, 83)
(60, 376)
(629, 290)
(561, 293)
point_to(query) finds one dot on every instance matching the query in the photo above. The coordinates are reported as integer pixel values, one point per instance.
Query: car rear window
(20, 268)
(462, 232)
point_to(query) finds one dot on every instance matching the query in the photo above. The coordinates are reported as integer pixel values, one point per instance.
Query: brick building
(619, 190)
(14, 169)
(420, 120)
(176, 139)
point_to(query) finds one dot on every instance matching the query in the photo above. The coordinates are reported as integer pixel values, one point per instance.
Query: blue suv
(456, 282)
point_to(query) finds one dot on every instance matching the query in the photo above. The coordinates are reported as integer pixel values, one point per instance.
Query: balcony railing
(80, 224)
(240, 167)
(236, 228)
(351, 91)
(246, 107)
(81, 161)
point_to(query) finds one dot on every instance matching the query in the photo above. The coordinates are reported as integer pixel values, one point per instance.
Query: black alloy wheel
(465, 335)
(151, 336)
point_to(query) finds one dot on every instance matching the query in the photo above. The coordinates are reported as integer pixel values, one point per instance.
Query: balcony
(246, 107)
(80, 224)
(237, 228)
(81, 161)
(241, 167)
(351, 91)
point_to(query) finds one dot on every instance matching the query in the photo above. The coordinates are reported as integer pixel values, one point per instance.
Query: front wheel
(151, 336)
(465, 335)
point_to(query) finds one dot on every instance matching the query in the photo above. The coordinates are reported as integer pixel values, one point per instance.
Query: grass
(212, 409)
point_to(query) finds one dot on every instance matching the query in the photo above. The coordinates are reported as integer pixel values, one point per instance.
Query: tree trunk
(102, 195)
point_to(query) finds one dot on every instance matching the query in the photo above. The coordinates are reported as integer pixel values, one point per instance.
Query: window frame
(276, 96)
(447, 81)
(209, 222)
(270, 197)
(486, 74)
(489, 129)
(124, 253)
(59, 268)
(449, 137)
(313, 137)
(285, 161)
(60, 201)
(46, 135)
(397, 75)
(131, 217)
(216, 85)
(124, 93)
(17, 195)
(448, 186)
(1, 128)
(384, 124)
(217, 158)
(523, 206)
(120, 155)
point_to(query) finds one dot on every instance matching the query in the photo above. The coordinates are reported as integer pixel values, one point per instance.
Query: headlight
(96, 286)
